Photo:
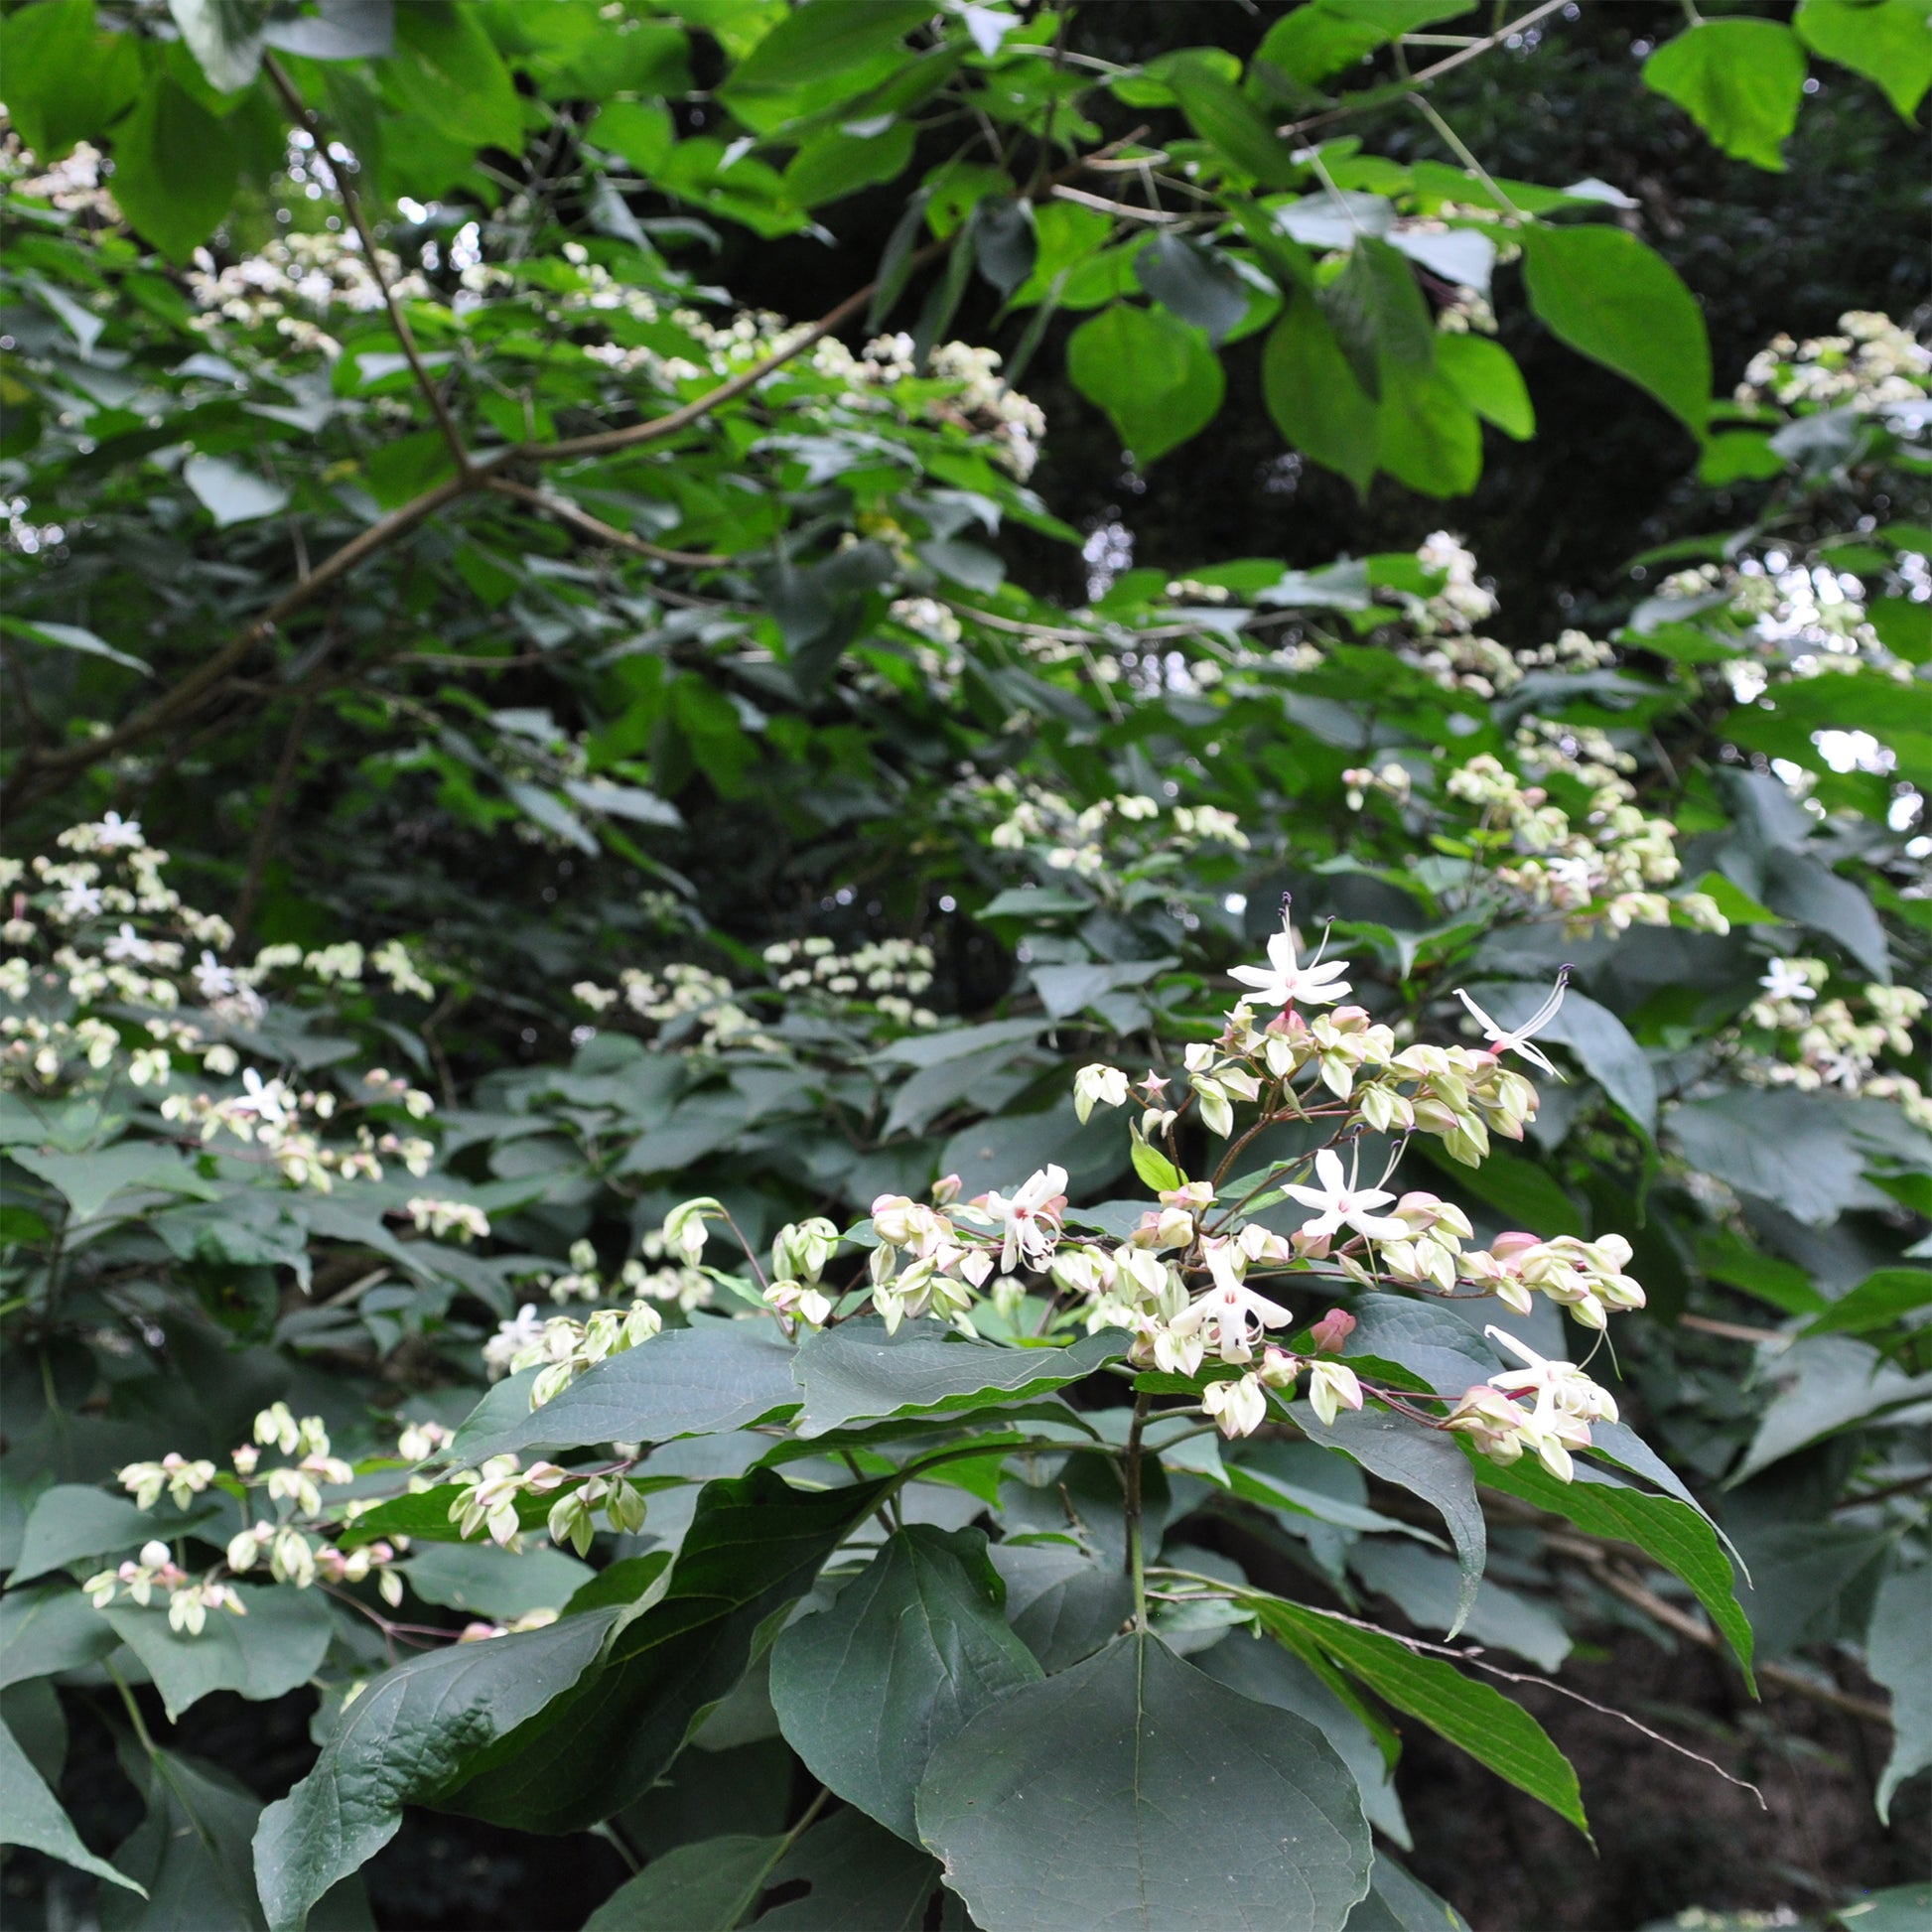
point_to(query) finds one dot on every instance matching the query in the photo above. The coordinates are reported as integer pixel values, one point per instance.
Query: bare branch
(353, 207)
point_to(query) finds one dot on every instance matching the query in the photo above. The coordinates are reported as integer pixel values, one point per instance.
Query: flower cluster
(887, 974)
(291, 1542)
(1565, 1403)
(1825, 1044)
(129, 983)
(692, 1004)
(1870, 363)
(1603, 866)
(1105, 843)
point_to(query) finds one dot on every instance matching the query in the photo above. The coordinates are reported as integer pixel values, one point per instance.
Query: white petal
(1327, 1166)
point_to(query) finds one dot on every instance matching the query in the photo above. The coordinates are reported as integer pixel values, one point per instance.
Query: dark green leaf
(908, 1653)
(1314, 396)
(403, 1742)
(175, 168)
(65, 79)
(859, 1875)
(1899, 1655)
(857, 1372)
(276, 1646)
(487, 1582)
(1674, 1533)
(1397, 1902)
(1063, 1602)
(708, 1886)
(1101, 1796)
(815, 50)
(1422, 1461)
(30, 1814)
(753, 1547)
(1877, 1302)
(1198, 286)
(72, 1521)
(49, 1628)
(697, 1381)
(1485, 1724)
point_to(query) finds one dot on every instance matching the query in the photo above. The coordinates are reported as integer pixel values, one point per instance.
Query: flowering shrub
(833, 1119)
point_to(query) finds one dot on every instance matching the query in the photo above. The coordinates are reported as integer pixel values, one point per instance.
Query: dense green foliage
(744, 1388)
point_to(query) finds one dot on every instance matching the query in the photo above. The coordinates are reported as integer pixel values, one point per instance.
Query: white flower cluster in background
(1871, 362)
(1609, 869)
(1100, 843)
(125, 983)
(1824, 1043)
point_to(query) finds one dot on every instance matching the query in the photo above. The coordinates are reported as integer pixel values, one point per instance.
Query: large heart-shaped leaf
(1134, 1790)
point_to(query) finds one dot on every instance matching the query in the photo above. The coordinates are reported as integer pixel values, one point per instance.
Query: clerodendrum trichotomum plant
(1022, 1720)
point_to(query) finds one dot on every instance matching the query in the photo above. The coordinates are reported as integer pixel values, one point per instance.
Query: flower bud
(1332, 1330)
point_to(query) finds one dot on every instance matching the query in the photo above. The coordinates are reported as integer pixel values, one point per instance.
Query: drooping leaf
(1270, 1673)
(1398, 1902)
(1789, 1148)
(1198, 286)
(752, 1549)
(264, 1654)
(1824, 1386)
(858, 1876)
(816, 59)
(1889, 41)
(1101, 1796)
(1425, 1588)
(73, 1522)
(175, 168)
(1877, 1302)
(857, 1372)
(1424, 1463)
(1153, 373)
(1484, 374)
(1740, 81)
(1063, 1602)
(48, 1627)
(1314, 396)
(30, 1814)
(446, 70)
(1611, 298)
(1674, 1534)
(405, 1739)
(1898, 1652)
(487, 1582)
(705, 1886)
(911, 1651)
(1493, 1728)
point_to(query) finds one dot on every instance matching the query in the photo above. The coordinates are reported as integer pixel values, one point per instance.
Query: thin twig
(565, 511)
(1461, 57)
(353, 207)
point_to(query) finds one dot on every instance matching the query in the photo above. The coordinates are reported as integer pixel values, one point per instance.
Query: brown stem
(565, 511)
(353, 207)
(41, 772)
(1474, 50)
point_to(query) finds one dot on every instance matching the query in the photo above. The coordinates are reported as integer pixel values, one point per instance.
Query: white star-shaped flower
(128, 945)
(212, 980)
(1785, 981)
(1561, 1387)
(1284, 980)
(1339, 1202)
